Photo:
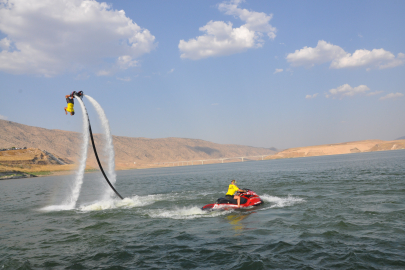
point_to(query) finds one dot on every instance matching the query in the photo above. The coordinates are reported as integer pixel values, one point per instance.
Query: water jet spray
(98, 159)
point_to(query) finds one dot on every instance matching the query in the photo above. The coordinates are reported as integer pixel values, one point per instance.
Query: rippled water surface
(339, 212)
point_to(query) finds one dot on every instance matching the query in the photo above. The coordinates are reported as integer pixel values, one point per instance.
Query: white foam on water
(70, 202)
(190, 212)
(281, 202)
(135, 201)
(109, 204)
(108, 149)
(60, 207)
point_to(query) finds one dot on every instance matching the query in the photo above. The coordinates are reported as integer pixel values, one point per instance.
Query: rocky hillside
(31, 156)
(66, 144)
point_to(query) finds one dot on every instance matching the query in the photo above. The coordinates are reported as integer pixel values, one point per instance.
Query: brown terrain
(31, 162)
(56, 151)
(130, 152)
(340, 148)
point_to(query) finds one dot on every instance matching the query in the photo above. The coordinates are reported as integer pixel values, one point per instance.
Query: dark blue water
(331, 212)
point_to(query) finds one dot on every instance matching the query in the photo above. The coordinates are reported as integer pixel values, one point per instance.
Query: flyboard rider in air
(71, 103)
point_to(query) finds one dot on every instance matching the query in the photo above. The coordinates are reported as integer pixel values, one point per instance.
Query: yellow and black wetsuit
(70, 104)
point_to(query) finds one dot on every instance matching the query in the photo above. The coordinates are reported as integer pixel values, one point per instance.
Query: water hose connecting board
(98, 160)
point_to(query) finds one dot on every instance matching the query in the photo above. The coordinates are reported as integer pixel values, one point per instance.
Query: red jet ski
(247, 199)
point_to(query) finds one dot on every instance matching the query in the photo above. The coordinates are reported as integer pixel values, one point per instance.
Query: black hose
(98, 160)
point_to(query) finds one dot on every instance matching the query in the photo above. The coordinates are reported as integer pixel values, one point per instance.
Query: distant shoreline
(22, 175)
(23, 167)
(9, 175)
(34, 172)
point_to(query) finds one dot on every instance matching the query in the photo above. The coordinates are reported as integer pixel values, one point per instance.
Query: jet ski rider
(232, 189)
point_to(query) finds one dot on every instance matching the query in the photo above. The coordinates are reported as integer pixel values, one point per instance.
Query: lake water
(331, 212)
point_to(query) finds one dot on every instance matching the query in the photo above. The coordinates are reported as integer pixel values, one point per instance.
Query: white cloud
(171, 71)
(392, 96)
(125, 62)
(322, 53)
(326, 52)
(278, 70)
(347, 91)
(221, 38)
(374, 93)
(103, 73)
(5, 44)
(2, 117)
(378, 58)
(255, 21)
(48, 37)
(311, 96)
(125, 79)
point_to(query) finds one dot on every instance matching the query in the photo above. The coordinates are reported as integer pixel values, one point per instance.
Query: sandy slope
(340, 148)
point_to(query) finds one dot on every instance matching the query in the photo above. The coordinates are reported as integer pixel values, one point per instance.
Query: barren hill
(340, 148)
(65, 144)
(31, 156)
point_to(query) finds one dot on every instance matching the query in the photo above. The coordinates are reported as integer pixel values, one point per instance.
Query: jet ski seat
(225, 200)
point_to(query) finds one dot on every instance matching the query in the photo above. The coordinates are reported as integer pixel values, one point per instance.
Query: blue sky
(259, 73)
